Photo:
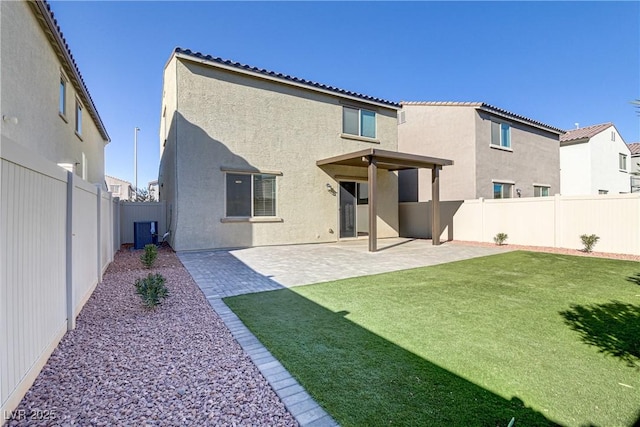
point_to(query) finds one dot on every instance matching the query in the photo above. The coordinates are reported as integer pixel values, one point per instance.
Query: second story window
(501, 134)
(356, 121)
(78, 118)
(622, 162)
(62, 108)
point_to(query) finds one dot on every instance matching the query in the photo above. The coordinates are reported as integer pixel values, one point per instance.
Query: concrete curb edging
(296, 399)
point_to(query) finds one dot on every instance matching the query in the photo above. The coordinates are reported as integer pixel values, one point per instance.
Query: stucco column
(373, 215)
(435, 205)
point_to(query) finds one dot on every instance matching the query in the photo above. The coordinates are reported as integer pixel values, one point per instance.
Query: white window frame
(541, 187)
(501, 144)
(502, 182)
(62, 101)
(360, 110)
(622, 158)
(78, 122)
(613, 135)
(251, 174)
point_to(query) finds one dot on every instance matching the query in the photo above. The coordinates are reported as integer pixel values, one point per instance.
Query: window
(613, 135)
(62, 108)
(622, 162)
(603, 191)
(115, 188)
(540, 191)
(78, 118)
(251, 195)
(356, 121)
(502, 190)
(501, 134)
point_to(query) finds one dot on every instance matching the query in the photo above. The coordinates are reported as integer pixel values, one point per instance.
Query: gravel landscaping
(174, 365)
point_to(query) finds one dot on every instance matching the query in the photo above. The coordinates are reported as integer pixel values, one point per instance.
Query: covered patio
(372, 159)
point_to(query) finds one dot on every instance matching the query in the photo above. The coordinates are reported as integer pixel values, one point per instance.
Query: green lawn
(540, 337)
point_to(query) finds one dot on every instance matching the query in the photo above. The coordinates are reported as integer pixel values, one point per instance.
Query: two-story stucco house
(251, 157)
(594, 160)
(46, 107)
(120, 188)
(497, 154)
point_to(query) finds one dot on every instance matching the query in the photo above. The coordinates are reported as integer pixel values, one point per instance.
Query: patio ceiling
(391, 160)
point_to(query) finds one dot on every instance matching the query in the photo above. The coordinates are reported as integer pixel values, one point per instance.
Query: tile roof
(634, 147)
(42, 10)
(489, 108)
(285, 77)
(585, 132)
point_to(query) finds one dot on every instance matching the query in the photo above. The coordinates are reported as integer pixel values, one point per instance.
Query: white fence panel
(131, 212)
(85, 243)
(537, 221)
(614, 218)
(106, 234)
(33, 273)
(527, 221)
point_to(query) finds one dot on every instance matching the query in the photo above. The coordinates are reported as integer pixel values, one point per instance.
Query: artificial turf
(548, 339)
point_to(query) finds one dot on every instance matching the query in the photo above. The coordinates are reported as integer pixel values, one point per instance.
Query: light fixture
(9, 119)
(519, 192)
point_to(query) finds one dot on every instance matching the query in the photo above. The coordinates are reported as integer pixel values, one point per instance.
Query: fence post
(71, 320)
(556, 221)
(99, 236)
(481, 199)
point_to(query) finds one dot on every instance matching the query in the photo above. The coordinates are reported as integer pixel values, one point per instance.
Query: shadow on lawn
(361, 378)
(634, 279)
(613, 327)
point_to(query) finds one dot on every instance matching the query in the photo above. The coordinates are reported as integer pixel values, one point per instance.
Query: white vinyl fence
(58, 238)
(556, 221)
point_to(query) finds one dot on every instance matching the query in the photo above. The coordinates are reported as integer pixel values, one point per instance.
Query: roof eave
(259, 75)
(520, 119)
(52, 30)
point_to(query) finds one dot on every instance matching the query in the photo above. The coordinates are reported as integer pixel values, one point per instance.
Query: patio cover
(373, 159)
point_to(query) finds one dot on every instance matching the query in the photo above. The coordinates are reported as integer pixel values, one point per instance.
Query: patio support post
(435, 204)
(373, 215)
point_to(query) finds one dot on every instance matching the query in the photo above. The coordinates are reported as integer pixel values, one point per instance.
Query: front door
(354, 212)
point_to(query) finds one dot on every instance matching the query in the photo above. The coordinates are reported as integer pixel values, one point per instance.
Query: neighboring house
(634, 167)
(496, 153)
(153, 190)
(594, 160)
(120, 188)
(250, 157)
(45, 104)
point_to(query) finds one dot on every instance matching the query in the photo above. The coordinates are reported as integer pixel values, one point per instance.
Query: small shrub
(500, 238)
(149, 255)
(589, 241)
(152, 289)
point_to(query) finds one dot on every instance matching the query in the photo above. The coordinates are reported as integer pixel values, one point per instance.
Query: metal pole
(135, 159)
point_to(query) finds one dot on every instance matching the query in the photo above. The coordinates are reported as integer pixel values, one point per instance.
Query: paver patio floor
(232, 272)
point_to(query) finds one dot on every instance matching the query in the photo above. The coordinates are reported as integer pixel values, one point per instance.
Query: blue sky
(555, 62)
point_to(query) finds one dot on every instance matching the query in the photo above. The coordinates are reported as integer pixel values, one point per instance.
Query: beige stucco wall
(462, 133)
(229, 120)
(30, 81)
(575, 174)
(445, 132)
(534, 158)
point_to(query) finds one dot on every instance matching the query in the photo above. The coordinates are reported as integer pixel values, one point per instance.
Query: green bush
(500, 238)
(149, 255)
(589, 241)
(152, 289)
